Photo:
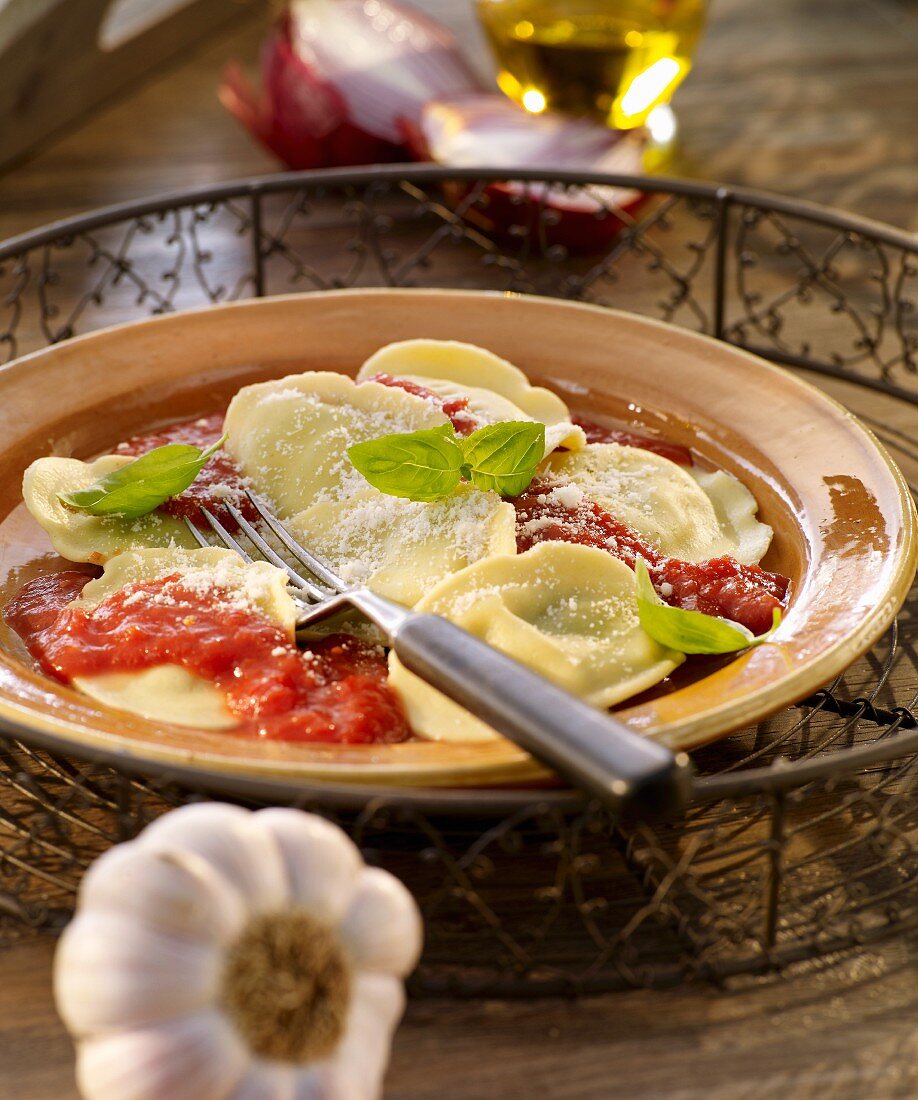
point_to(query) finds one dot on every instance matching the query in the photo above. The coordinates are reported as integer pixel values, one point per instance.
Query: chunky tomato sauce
(742, 593)
(219, 481)
(333, 691)
(456, 409)
(599, 433)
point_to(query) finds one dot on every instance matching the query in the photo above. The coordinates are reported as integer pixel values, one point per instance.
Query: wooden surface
(815, 100)
(842, 1030)
(60, 59)
(810, 99)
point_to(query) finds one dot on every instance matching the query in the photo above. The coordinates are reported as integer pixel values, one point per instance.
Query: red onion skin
(547, 222)
(504, 217)
(413, 139)
(298, 117)
(406, 58)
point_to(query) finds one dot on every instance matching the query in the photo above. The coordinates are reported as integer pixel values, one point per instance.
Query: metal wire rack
(802, 838)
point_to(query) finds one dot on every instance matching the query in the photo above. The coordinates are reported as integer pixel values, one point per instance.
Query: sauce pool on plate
(333, 690)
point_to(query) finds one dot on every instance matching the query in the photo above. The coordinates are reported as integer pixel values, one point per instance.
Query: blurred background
(105, 101)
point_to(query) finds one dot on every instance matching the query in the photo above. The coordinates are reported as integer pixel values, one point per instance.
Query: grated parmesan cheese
(568, 496)
(376, 530)
(291, 437)
(215, 574)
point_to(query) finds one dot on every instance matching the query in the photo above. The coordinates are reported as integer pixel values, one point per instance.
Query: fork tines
(305, 557)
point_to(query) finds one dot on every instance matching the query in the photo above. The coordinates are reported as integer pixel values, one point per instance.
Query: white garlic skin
(194, 1057)
(228, 838)
(382, 927)
(138, 970)
(322, 864)
(177, 893)
(113, 973)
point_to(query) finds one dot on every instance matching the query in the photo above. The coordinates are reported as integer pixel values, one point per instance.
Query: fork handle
(589, 747)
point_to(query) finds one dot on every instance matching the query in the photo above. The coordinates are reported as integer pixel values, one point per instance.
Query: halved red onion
(367, 81)
(340, 76)
(488, 131)
(385, 60)
(297, 116)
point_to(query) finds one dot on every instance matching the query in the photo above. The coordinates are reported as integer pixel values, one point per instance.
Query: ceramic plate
(844, 522)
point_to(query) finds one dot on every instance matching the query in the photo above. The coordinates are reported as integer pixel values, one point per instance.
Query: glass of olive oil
(615, 60)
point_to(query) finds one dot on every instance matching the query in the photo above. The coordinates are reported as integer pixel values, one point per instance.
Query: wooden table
(815, 100)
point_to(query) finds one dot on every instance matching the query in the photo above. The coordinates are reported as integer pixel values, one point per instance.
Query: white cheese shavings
(532, 526)
(242, 589)
(380, 530)
(291, 437)
(568, 496)
(225, 579)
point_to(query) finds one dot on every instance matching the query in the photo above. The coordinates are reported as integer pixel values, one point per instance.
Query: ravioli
(171, 693)
(290, 436)
(79, 536)
(736, 509)
(567, 611)
(167, 693)
(496, 389)
(652, 495)
(402, 548)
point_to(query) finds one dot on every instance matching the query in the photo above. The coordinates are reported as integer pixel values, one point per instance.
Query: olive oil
(609, 59)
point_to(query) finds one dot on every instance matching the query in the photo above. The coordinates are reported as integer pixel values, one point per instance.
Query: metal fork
(595, 751)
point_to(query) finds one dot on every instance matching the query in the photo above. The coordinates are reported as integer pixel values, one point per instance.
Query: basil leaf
(690, 631)
(142, 485)
(503, 457)
(424, 465)
(428, 465)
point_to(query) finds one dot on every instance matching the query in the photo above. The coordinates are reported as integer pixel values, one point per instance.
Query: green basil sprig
(691, 631)
(503, 457)
(428, 465)
(142, 485)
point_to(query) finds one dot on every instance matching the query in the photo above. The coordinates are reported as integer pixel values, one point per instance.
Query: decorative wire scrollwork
(803, 836)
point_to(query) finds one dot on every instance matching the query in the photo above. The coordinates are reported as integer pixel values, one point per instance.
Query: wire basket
(802, 836)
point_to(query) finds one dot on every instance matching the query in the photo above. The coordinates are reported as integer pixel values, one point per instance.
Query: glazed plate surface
(843, 519)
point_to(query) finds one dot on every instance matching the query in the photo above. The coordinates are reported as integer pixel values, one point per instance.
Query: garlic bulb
(230, 955)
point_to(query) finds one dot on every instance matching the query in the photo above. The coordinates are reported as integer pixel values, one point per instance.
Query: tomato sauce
(745, 594)
(333, 691)
(742, 593)
(541, 518)
(599, 433)
(456, 409)
(219, 481)
(37, 605)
